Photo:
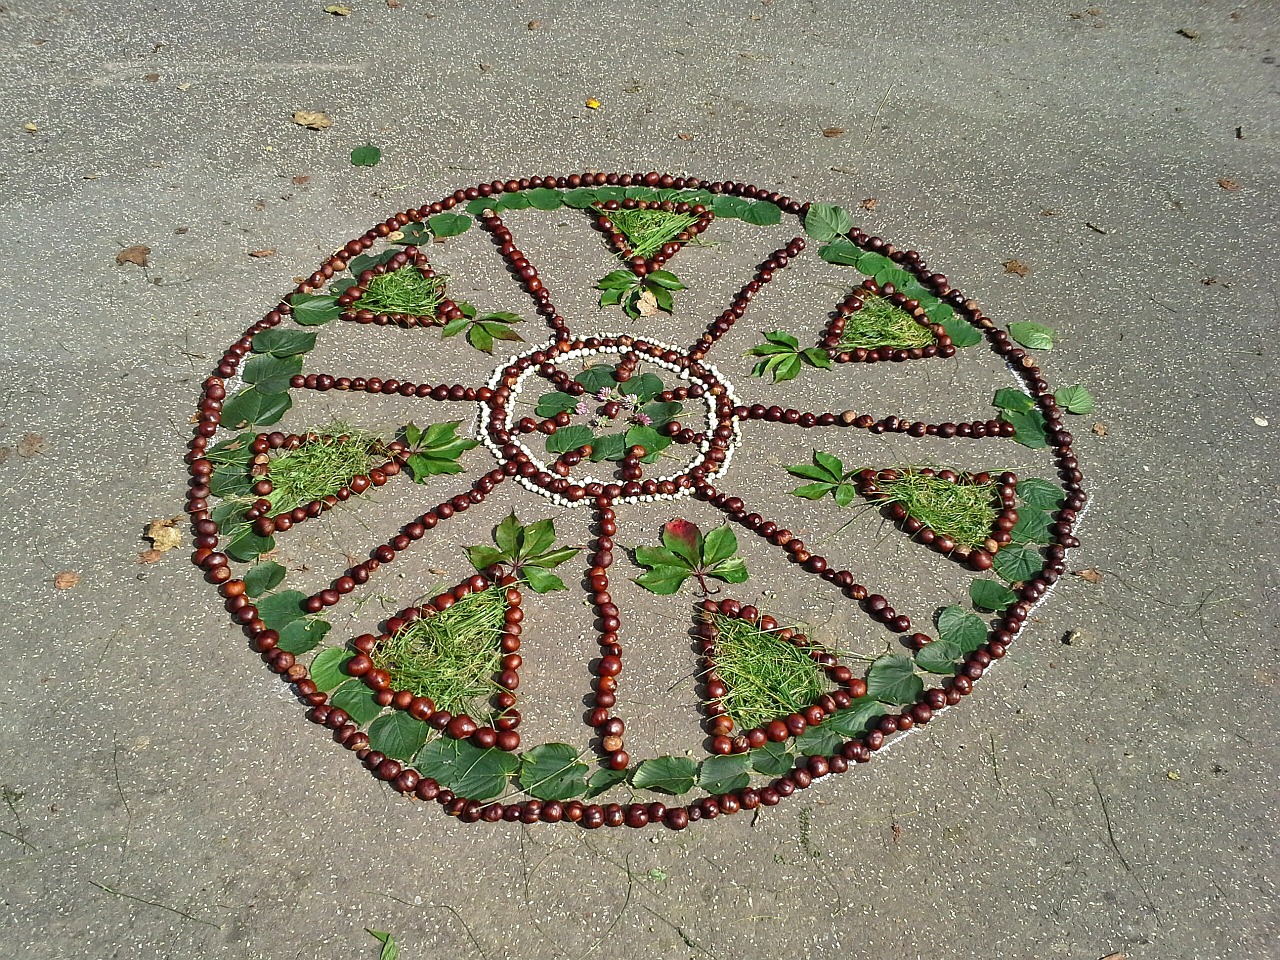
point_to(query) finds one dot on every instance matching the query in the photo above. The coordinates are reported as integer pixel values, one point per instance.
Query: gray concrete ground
(163, 795)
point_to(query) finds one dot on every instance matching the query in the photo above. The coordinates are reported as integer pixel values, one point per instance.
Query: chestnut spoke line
(391, 386)
(609, 728)
(525, 274)
(807, 419)
(765, 272)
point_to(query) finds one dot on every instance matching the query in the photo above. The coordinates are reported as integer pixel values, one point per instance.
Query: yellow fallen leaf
(66, 580)
(164, 533)
(30, 128)
(338, 10)
(1173, 775)
(593, 103)
(312, 119)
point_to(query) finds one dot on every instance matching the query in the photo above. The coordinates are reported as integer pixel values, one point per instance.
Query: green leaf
(390, 949)
(535, 539)
(961, 628)
(455, 326)
(657, 557)
(1034, 336)
(661, 413)
(612, 446)
(414, 232)
(894, 275)
(841, 251)
(367, 261)
(1029, 428)
(816, 357)
(844, 494)
(762, 213)
(652, 441)
(723, 205)
(236, 450)
(783, 338)
(1013, 400)
(1039, 493)
(549, 404)
(466, 769)
(1032, 527)
(449, 224)
(357, 700)
(271, 374)
(668, 774)
(892, 679)
(662, 299)
(854, 720)
(229, 481)
(480, 338)
(664, 580)
(773, 759)
(961, 332)
(733, 570)
(579, 197)
(480, 205)
(507, 536)
(541, 580)
(422, 467)
(814, 472)
(788, 369)
(1017, 563)
(544, 198)
(283, 341)
(720, 544)
(603, 779)
(940, 657)
(483, 557)
(569, 438)
(313, 309)
(1072, 399)
(684, 539)
(833, 465)
(552, 771)
(262, 577)
(664, 279)
(826, 221)
(725, 774)
(611, 298)
(366, 156)
(303, 636)
(820, 741)
(249, 546)
(644, 387)
(398, 735)
(281, 608)
(326, 670)
(553, 558)
(990, 595)
(814, 491)
(597, 377)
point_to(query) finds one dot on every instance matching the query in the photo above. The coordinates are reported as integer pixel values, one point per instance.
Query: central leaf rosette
(617, 412)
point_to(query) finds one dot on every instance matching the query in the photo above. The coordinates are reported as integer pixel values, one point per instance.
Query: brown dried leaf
(150, 556)
(1017, 267)
(1049, 212)
(647, 304)
(179, 231)
(1116, 956)
(832, 132)
(1089, 575)
(1099, 429)
(264, 252)
(65, 580)
(436, 571)
(300, 180)
(1189, 34)
(535, 25)
(4, 453)
(136, 254)
(686, 137)
(151, 77)
(164, 533)
(1228, 184)
(312, 119)
(32, 444)
(868, 203)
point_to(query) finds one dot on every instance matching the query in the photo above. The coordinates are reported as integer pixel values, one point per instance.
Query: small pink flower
(603, 394)
(643, 419)
(582, 409)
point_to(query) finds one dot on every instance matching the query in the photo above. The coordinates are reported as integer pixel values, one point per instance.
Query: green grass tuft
(767, 677)
(450, 657)
(403, 291)
(881, 324)
(963, 511)
(318, 469)
(648, 230)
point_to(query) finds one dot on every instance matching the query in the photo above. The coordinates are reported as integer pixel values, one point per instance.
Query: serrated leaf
(553, 558)
(449, 224)
(962, 629)
(663, 580)
(249, 546)
(540, 580)
(455, 326)
(892, 679)
(326, 670)
(661, 413)
(1034, 336)
(652, 441)
(762, 213)
(596, 378)
(303, 636)
(1032, 527)
(1029, 428)
(808, 471)
(720, 544)
(826, 221)
(545, 198)
(854, 720)
(990, 595)
(313, 309)
(961, 332)
(816, 357)
(657, 557)
(669, 774)
(280, 609)
(480, 338)
(231, 480)
(820, 741)
(733, 570)
(466, 769)
(1013, 400)
(603, 779)
(357, 700)
(1074, 400)
(553, 771)
(773, 759)
(844, 494)
(270, 374)
(684, 539)
(390, 949)
(398, 735)
(611, 298)
(665, 279)
(569, 438)
(1017, 563)
(283, 342)
(482, 557)
(724, 774)
(644, 387)
(841, 251)
(612, 446)
(723, 205)
(262, 577)
(833, 465)
(367, 261)
(939, 657)
(788, 369)
(1039, 493)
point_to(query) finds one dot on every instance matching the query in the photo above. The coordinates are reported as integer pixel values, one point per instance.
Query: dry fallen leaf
(1016, 266)
(184, 87)
(1088, 575)
(869, 203)
(338, 10)
(30, 128)
(1048, 212)
(436, 571)
(1189, 34)
(264, 252)
(300, 179)
(150, 556)
(647, 304)
(1099, 429)
(684, 136)
(136, 254)
(181, 230)
(1228, 184)
(312, 119)
(1116, 956)
(393, 4)
(830, 132)
(65, 580)
(535, 24)
(164, 533)
(151, 77)
(593, 103)
(32, 444)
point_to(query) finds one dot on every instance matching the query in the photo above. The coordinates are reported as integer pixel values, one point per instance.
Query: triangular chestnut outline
(446, 311)
(1006, 513)
(506, 717)
(618, 240)
(851, 304)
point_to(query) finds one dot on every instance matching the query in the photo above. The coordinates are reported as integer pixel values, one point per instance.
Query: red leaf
(684, 539)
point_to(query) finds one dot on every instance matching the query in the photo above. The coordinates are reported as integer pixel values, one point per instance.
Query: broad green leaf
(663, 299)
(814, 491)
(398, 735)
(467, 770)
(414, 232)
(665, 279)
(961, 628)
(449, 224)
(1032, 527)
(552, 771)
(535, 539)
(249, 546)
(283, 341)
(229, 481)
(668, 774)
(833, 465)
(817, 357)
(657, 557)
(281, 608)
(507, 535)
(390, 949)
(784, 338)
(480, 338)
(605, 194)
(553, 558)
(844, 494)
(727, 206)
(544, 198)
(549, 404)
(1039, 493)
(663, 580)
(236, 450)
(455, 326)
(541, 580)
(652, 441)
(611, 297)
(813, 471)
(569, 438)
(1034, 336)
(262, 577)
(826, 221)
(841, 251)
(940, 657)
(357, 700)
(1072, 399)
(1029, 428)
(892, 679)
(990, 595)
(820, 741)
(422, 467)
(725, 774)
(303, 636)
(512, 201)
(1014, 400)
(1017, 563)
(326, 670)
(367, 261)
(612, 446)
(270, 374)
(961, 332)
(854, 720)
(366, 156)
(762, 213)
(596, 378)
(788, 369)
(733, 570)
(773, 759)
(644, 387)
(720, 544)
(661, 413)
(618, 280)
(603, 779)
(579, 197)
(313, 309)
(483, 557)
(894, 275)
(684, 539)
